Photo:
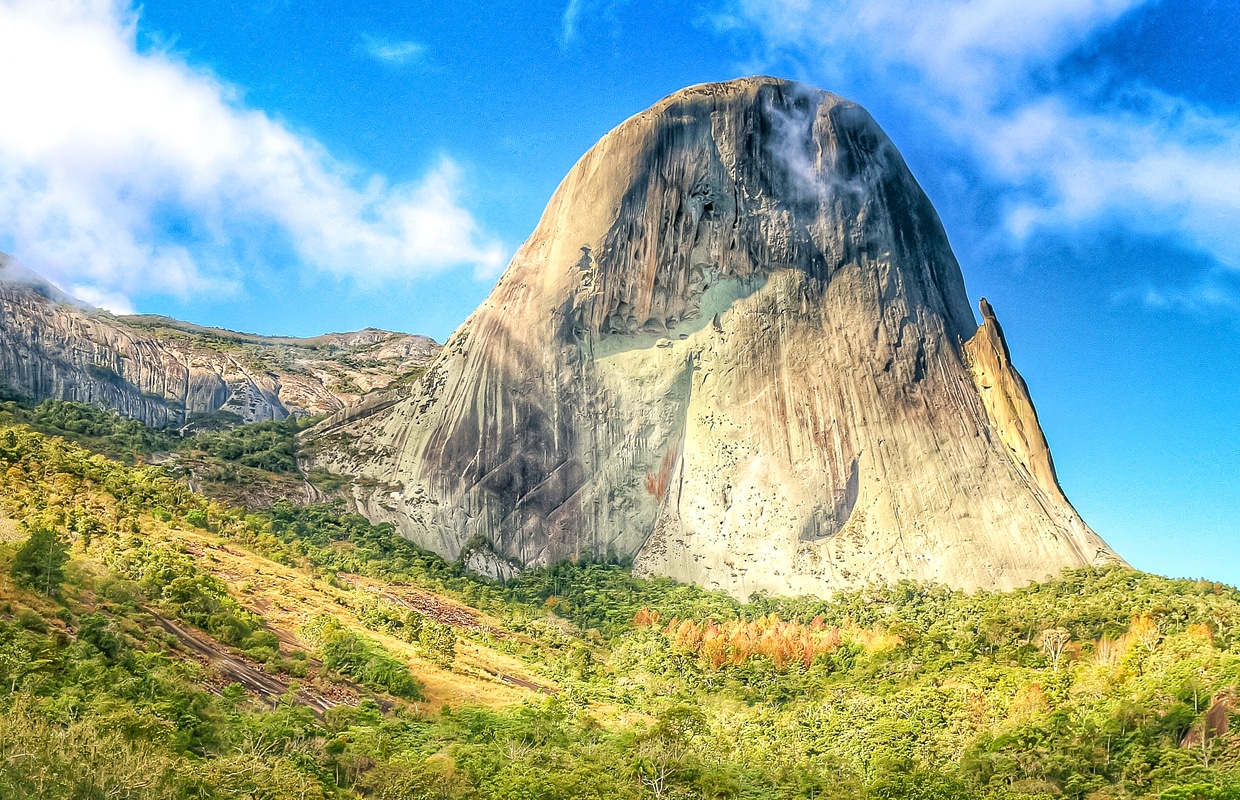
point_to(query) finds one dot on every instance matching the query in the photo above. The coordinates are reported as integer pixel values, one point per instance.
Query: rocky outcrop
(732, 351)
(1007, 402)
(165, 372)
(1216, 721)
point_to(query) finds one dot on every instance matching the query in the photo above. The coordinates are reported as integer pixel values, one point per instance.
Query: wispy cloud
(578, 12)
(568, 22)
(394, 53)
(123, 173)
(1216, 290)
(1063, 148)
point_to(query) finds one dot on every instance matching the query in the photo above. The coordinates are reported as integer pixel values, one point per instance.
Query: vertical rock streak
(51, 348)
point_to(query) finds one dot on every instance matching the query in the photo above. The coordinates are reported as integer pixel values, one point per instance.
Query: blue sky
(298, 167)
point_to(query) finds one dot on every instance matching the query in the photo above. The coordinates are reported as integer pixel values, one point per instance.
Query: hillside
(190, 649)
(164, 372)
(250, 466)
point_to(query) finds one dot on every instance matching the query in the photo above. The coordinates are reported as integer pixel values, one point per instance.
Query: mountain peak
(732, 351)
(163, 371)
(759, 162)
(17, 275)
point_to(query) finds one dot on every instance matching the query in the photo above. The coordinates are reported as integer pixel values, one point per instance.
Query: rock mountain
(738, 350)
(165, 372)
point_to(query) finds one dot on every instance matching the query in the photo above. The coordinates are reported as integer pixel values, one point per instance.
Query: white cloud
(392, 52)
(577, 11)
(124, 173)
(1168, 168)
(109, 301)
(988, 73)
(568, 22)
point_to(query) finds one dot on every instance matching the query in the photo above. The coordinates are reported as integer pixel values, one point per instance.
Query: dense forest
(156, 643)
(243, 464)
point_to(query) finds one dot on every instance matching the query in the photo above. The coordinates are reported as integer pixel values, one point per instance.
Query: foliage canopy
(1098, 684)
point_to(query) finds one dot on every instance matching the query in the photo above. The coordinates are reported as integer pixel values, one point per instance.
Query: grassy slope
(288, 598)
(909, 691)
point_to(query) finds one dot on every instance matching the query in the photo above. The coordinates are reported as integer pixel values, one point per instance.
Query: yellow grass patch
(286, 598)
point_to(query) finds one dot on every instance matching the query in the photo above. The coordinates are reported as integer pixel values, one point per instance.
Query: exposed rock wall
(732, 351)
(1007, 402)
(161, 371)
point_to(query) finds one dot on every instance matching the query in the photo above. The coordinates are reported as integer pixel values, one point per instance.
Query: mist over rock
(738, 350)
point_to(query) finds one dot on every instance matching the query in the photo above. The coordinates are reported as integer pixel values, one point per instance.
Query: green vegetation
(409, 378)
(211, 421)
(269, 446)
(327, 482)
(350, 654)
(40, 562)
(435, 640)
(96, 429)
(328, 537)
(1099, 685)
(247, 464)
(172, 583)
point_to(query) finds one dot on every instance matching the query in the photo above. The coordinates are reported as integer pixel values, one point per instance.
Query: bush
(270, 446)
(95, 629)
(366, 662)
(30, 620)
(98, 429)
(438, 642)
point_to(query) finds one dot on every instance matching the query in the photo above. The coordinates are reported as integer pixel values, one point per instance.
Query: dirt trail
(287, 597)
(428, 604)
(254, 680)
(524, 684)
(446, 612)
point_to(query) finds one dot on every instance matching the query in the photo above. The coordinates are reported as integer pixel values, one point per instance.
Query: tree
(438, 642)
(1144, 631)
(663, 751)
(39, 564)
(1053, 642)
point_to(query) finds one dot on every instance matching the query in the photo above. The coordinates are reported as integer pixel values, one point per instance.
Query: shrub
(438, 642)
(362, 660)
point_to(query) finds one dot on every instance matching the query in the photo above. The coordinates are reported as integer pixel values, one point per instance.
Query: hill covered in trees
(155, 643)
(246, 465)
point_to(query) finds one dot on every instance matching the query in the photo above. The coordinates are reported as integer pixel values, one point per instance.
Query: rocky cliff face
(164, 372)
(1007, 402)
(738, 350)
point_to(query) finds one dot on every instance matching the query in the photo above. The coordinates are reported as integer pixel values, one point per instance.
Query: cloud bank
(1065, 148)
(124, 173)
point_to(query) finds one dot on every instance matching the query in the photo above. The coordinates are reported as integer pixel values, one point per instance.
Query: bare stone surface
(162, 371)
(1007, 403)
(733, 350)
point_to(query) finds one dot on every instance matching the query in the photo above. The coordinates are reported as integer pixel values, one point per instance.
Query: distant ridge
(164, 371)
